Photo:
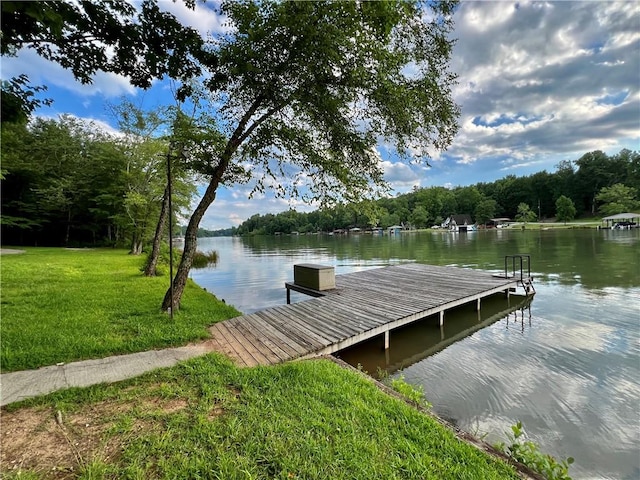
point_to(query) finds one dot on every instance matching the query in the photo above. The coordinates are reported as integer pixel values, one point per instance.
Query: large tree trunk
(152, 262)
(190, 245)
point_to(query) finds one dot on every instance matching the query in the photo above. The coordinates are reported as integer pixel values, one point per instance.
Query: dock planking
(363, 305)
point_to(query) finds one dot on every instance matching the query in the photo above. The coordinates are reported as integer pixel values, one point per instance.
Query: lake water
(567, 364)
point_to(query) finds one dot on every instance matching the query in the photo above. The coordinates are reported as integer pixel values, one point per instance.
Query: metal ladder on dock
(517, 265)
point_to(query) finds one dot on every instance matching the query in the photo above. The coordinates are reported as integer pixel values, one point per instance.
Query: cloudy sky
(539, 82)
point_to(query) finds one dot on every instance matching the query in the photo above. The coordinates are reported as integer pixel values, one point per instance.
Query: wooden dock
(362, 306)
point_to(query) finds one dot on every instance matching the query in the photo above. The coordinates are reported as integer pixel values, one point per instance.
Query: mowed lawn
(61, 305)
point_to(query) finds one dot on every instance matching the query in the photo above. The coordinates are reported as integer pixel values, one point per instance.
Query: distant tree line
(596, 183)
(204, 233)
(66, 183)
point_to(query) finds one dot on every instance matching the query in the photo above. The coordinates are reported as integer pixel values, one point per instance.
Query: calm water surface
(567, 364)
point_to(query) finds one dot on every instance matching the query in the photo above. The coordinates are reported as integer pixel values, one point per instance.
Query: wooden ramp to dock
(363, 305)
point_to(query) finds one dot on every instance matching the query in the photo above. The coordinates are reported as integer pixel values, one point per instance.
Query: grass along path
(208, 419)
(61, 305)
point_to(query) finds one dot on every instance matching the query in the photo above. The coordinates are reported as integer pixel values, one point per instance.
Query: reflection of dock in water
(360, 306)
(424, 339)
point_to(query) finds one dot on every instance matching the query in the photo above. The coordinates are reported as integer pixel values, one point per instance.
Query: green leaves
(19, 99)
(145, 43)
(565, 209)
(529, 454)
(327, 80)
(618, 198)
(525, 214)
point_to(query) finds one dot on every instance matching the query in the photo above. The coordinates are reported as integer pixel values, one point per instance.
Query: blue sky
(539, 82)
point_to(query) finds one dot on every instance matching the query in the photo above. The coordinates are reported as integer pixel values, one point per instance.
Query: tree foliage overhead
(107, 35)
(141, 42)
(314, 86)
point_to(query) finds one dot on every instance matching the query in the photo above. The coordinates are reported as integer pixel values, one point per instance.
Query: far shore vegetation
(584, 190)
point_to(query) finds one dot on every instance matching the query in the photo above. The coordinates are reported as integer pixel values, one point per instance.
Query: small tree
(419, 216)
(485, 210)
(525, 214)
(565, 209)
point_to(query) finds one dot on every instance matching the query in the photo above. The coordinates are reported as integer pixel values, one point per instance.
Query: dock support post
(441, 317)
(478, 305)
(386, 340)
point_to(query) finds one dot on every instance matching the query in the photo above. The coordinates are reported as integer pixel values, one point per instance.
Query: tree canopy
(107, 35)
(565, 209)
(141, 42)
(315, 86)
(618, 198)
(67, 183)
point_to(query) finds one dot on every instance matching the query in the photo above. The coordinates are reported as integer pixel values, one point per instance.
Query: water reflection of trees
(592, 258)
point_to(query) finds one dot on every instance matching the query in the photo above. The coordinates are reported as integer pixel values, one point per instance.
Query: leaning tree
(303, 92)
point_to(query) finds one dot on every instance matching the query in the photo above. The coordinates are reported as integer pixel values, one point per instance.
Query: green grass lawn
(208, 419)
(60, 305)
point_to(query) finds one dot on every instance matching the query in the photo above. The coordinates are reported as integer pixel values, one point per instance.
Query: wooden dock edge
(387, 327)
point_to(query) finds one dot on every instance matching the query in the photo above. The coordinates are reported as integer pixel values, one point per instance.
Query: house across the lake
(458, 222)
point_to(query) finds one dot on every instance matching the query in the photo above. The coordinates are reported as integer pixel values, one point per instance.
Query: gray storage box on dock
(315, 277)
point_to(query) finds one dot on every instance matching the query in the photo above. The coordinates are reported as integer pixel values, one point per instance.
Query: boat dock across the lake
(358, 307)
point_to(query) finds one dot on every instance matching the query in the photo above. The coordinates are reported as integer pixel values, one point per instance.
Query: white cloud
(227, 211)
(204, 18)
(41, 71)
(550, 62)
(399, 174)
(93, 124)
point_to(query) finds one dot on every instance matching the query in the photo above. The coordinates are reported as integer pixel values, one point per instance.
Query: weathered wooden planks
(363, 305)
